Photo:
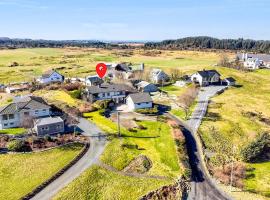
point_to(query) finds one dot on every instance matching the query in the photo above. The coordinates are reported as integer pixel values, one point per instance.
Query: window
(46, 128)
(44, 110)
(11, 124)
(5, 124)
(11, 116)
(36, 111)
(26, 113)
(138, 104)
(103, 94)
(108, 94)
(5, 117)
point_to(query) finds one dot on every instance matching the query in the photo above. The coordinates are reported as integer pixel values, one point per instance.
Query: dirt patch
(177, 133)
(141, 165)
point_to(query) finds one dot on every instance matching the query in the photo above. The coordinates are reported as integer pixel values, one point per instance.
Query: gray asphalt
(202, 186)
(97, 145)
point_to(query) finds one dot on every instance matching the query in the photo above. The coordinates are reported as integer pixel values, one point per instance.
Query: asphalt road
(202, 187)
(97, 145)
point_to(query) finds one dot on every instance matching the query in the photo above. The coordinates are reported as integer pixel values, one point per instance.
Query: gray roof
(263, 57)
(48, 120)
(103, 88)
(26, 104)
(208, 73)
(140, 97)
(48, 73)
(143, 84)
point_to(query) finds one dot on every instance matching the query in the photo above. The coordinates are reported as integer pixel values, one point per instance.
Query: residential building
(13, 115)
(206, 77)
(144, 86)
(49, 126)
(252, 63)
(158, 76)
(93, 80)
(51, 76)
(17, 87)
(114, 92)
(139, 101)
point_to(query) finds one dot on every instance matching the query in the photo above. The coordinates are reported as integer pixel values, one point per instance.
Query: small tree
(187, 99)
(175, 74)
(18, 146)
(224, 60)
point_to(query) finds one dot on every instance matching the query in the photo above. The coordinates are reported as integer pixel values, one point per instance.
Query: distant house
(51, 76)
(206, 77)
(139, 101)
(2, 87)
(144, 86)
(114, 92)
(14, 114)
(17, 87)
(254, 61)
(158, 76)
(93, 80)
(49, 126)
(229, 81)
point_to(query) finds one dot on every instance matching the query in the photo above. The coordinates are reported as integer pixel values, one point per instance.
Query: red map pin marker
(101, 69)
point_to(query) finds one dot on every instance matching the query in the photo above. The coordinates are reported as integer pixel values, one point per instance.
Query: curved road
(202, 187)
(97, 145)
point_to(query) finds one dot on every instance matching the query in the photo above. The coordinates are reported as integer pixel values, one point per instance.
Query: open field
(13, 131)
(21, 173)
(99, 183)
(78, 62)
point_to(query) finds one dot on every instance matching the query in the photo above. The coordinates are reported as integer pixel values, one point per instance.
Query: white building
(252, 63)
(93, 80)
(12, 115)
(51, 76)
(144, 86)
(206, 77)
(158, 76)
(139, 101)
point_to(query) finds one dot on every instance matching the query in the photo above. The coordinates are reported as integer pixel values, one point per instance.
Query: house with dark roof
(51, 76)
(139, 101)
(158, 76)
(145, 86)
(114, 92)
(206, 77)
(13, 115)
(93, 80)
(49, 126)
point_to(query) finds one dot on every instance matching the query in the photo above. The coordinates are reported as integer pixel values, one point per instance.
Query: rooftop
(140, 97)
(48, 120)
(110, 88)
(208, 73)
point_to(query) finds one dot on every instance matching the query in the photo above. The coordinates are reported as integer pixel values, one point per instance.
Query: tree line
(203, 42)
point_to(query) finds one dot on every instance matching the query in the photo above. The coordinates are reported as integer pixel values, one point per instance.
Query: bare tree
(175, 74)
(224, 60)
(187, 99)
(27, 122)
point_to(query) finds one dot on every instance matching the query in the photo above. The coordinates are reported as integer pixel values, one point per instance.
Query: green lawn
(182, 114)
(21, 173)
(13, 131)
(156, 143)
(258, 180)
(98, 183)
(173, 90)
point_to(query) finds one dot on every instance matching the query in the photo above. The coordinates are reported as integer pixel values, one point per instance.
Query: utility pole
(118, 123)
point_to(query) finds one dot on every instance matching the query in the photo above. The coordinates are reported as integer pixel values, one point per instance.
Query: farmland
(21, 173)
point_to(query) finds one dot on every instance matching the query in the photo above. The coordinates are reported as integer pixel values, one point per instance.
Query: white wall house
(12, 115)
(158, 76)
(206, 77)
(252, 63)
(51, 76)
(93, 80)
(139, 101)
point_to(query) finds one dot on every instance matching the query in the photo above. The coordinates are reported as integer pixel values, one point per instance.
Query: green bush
(76, 94)
(255, 150)
(102, 112)
(18, 146)
(101, 104)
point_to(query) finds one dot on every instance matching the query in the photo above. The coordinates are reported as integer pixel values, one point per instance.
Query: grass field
(81, 62)
(98, 183)
(21, 173)
(156, 143)
(13, 131)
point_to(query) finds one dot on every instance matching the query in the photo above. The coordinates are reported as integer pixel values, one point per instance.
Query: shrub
(18, 146)
(101, 104)
(86, 108)
(132, 130)
(76, 94)
(150, 111)
(256, 149)
(72, 86)
(141, 127)
(102, 112)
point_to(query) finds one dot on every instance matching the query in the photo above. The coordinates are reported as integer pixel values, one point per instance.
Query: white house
(206, 77)
(51, 76)
(13, 115)
(114, 92)
(252, 63)
(49, 126)
(144, 86)
(158, 76)
(93, 80)
(139, 101)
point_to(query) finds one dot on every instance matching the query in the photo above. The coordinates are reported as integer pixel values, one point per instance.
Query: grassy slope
(98, 183)
(160, 150)
(23, 172)
(13, 131)
(252, 96)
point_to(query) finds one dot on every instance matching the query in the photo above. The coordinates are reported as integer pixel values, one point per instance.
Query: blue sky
(134, 19)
